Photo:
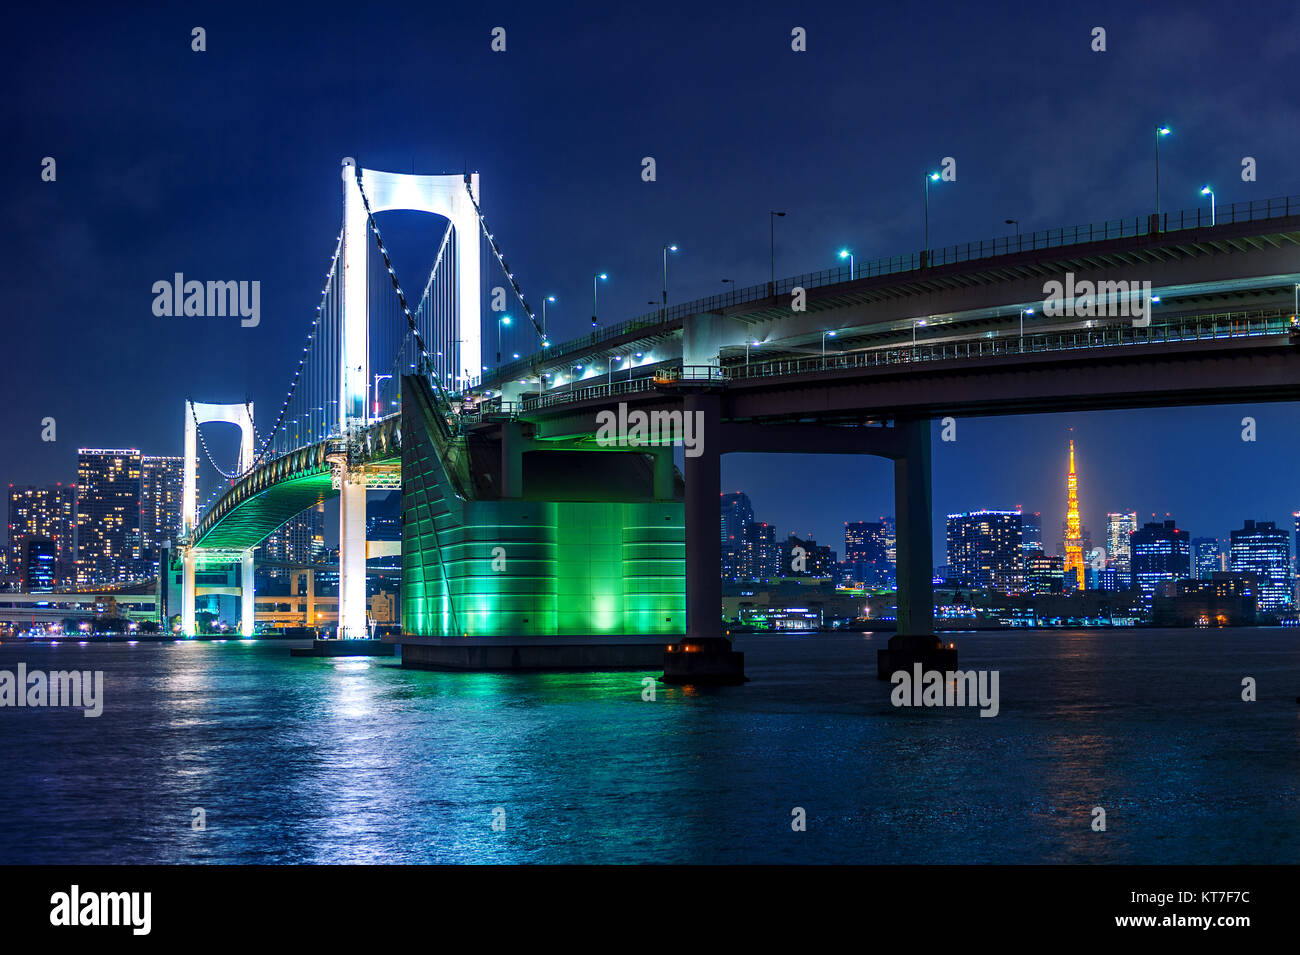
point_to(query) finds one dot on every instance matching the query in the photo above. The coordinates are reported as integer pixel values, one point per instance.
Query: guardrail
(1168, 222)
(1198, 328)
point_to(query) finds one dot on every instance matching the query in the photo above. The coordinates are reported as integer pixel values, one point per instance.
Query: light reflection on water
(358, 760)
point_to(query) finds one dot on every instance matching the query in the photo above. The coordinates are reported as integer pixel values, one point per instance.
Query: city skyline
(1204, 515)
(126, 217)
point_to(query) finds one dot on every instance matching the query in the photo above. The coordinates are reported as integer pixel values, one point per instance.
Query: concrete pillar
(247, 612)
(512, 459)
(311, 598)
(703, 544)
(352, 558)
(664, 475)
(189, 594)
(915, 530)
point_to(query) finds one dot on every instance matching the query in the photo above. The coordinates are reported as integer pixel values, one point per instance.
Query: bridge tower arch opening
(455, 198)
(196, 414)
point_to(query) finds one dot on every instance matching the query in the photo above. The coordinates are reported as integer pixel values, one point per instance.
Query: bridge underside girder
(254, 520)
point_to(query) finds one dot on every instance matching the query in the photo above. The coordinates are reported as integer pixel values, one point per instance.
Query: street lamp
(848, 254)
(921, 323)
(756, 344)
(667, 249)
(932, 177)
(549, 298)
(503, 320)
(1016, 223)
(378, 378)
(825, 335)
(771, 249)
(599, 276)
(1207, 191)
(1023, 313)
(1160, 131)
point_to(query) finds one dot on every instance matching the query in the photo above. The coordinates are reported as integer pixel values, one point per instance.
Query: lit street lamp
(921, 323)
(667, 249)
(1207, 191)
(848, 254)
(599, 276)
(1023, 313)
(503, 320)
(378, 378)
(549, 298)
(825, 335)
(932, 177)
(1160, 131)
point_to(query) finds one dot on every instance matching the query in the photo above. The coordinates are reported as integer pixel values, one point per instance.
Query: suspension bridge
(527, 542)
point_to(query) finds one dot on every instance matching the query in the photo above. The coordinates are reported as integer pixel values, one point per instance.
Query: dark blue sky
(225, 164)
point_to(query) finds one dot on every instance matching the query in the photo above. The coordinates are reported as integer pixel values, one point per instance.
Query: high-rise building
(1031, 532)
(890, 530)
(762, 554)
(162, 482)
(984, 549)
(45, 513)
(1206, 558)
(866, 553)
(1119, 553)
(1074, 555)
(1161, 553)
(737, 511)
(39, 557)
(804, 557)
(1263, 549)
(1044, 574)
(108, 515)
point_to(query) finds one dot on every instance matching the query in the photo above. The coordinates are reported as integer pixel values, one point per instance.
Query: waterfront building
(44, 513)
(1263, 549)
(984, 549)
(1161, 553)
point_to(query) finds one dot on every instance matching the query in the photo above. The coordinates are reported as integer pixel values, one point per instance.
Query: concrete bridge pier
(915, 641)
(704, 655)
(247, 615)
(189, 594)
(352, 556)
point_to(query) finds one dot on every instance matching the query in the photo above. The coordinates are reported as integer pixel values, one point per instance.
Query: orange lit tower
(1073, 532)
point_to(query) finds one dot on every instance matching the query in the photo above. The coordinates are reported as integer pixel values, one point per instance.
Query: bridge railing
(1193, 328)
(1177, 221)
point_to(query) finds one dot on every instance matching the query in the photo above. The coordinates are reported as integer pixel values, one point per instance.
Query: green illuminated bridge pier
(530, 540)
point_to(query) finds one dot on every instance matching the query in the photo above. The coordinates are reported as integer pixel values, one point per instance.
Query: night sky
(225, 165)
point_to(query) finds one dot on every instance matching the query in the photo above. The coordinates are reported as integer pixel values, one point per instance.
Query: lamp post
(378, 379)
(1160, 131)
(1207, 191)
(932, 177)
(503, 320)
(771, 248)
(919, 322)
(825, 335)
(667, 249)
(1023, 313)
(755, 345)
(1016, 223)
(848, 254)
(549, 298)
(598, 277)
